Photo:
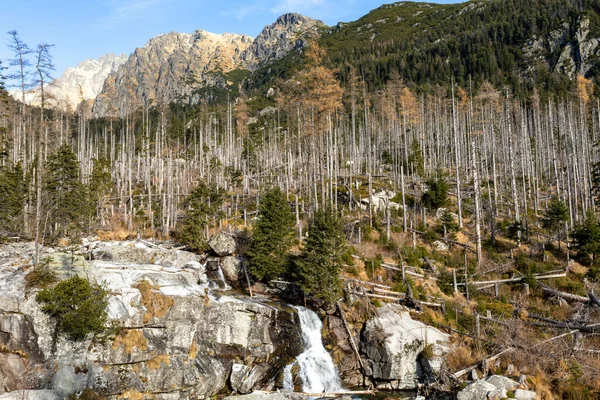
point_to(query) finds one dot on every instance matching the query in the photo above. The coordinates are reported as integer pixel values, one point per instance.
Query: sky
(82, 29)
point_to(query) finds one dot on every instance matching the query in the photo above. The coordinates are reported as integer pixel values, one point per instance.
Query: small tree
(203, 205)
(67, 199)
(13, 191)
(77, 306)
(271, 237)
(317, 269)
(586, 237)
(437, 195)
(555, 217)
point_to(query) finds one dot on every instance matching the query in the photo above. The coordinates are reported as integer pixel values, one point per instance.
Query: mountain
(179, 65)
(83, 82)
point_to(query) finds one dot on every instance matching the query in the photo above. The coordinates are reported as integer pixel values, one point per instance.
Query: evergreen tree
(317, 269)
(99, 185)
(586, 237)
(203, 205)
(271, 237)
(77, 306)
(555, 217)
(13, 190)
(437, 195)
(66, 196)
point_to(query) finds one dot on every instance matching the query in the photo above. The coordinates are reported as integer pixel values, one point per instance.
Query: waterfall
(317, 372)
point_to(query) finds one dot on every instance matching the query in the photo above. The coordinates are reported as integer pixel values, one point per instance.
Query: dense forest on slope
(515, 43)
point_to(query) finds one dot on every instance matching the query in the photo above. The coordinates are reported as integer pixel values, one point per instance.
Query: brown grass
(157, 361)
(157, 304)
(133, 338)
(131, 395)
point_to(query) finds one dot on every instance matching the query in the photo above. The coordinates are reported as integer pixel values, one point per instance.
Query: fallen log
(552, 323)
(350, 337)
(564, 295)
(594, 299)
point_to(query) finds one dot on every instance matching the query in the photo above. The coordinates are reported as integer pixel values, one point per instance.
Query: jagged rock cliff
(177, 339)
(289, 32)
(173, 65)
(82, 83)
(165, 67)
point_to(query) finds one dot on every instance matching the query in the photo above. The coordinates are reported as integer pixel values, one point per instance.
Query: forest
(467, 200)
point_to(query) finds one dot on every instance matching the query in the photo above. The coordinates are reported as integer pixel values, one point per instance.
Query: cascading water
(317, 371)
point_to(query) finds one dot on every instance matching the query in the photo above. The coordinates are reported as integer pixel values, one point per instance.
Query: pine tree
(555, 217)
(66, 196)
(271, 237)
(13, 190)
(317, 269)
(203, 206)
(437, 195)
(586, 237)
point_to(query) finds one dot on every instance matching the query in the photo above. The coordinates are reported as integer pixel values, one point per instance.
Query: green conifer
(271, 237)
(317, 269)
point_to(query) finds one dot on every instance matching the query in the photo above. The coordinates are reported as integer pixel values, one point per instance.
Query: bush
(77, 306)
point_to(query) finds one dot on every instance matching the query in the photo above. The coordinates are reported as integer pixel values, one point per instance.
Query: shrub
(41, 276)
(77, 306)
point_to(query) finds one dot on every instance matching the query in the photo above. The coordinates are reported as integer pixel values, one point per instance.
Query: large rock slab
(400, 351)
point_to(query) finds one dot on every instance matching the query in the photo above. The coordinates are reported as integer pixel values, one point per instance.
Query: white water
(317, 371)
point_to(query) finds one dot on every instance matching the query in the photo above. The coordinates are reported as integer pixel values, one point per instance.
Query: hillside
(519, 43)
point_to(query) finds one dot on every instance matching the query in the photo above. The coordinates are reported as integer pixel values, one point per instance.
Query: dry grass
(193, 350)
(131, 395)
(156, 362)
(133, 338)
(157, 304)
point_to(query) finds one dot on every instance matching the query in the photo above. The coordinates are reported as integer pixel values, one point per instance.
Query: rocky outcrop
(401, 352)
(175, 336)
(570, 50)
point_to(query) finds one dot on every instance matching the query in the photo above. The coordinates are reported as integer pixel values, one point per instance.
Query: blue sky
(82, 29)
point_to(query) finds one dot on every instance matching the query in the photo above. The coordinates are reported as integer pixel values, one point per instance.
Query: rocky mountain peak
(155, 71)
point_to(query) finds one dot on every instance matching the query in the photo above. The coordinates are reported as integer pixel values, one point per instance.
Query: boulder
(477, 390)
(400, 351)
(502, 382)
(521, 394)
(232, 268)
(440, 246)
(440, 212)
(222, 244)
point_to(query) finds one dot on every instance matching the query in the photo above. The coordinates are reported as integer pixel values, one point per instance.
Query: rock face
(401, 352)
(575, 52)
(174, 65)
(177, 339)
(82, 83)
